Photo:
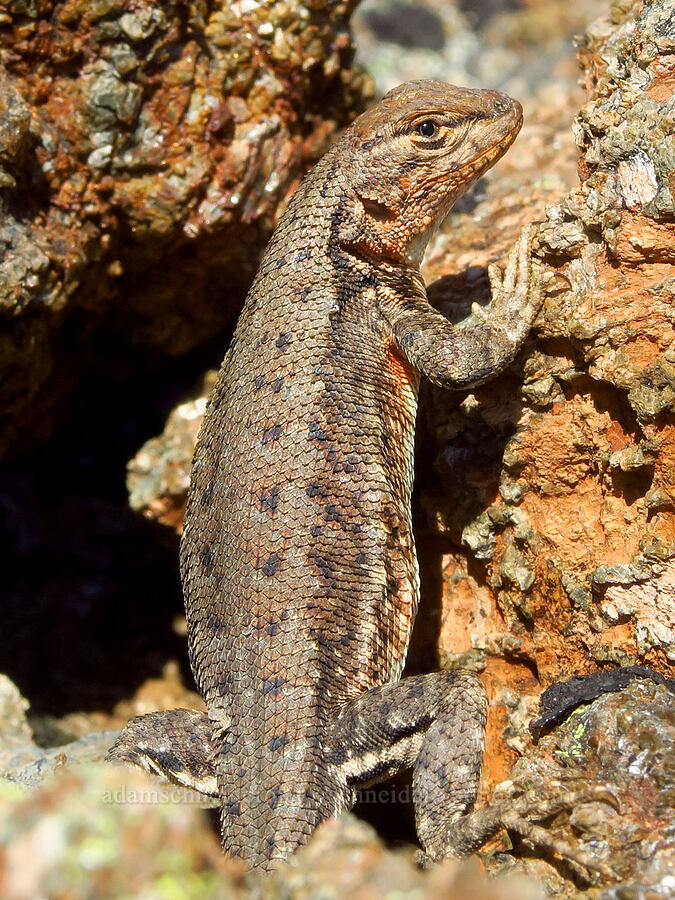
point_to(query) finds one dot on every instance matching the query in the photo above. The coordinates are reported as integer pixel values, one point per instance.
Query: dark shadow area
(458, 464)
(479, 13)
(409, 25)
(90, 590)
(632, 483)
(456, 478)
(388, 807)
(468, 202)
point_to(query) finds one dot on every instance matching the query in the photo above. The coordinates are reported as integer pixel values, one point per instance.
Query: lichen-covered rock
(22, 760)
(516, 47)
(344, 859)
(108, 833)
(553, 491)
(144, 149)
(624, 741)
(158, 476)
(104, 832)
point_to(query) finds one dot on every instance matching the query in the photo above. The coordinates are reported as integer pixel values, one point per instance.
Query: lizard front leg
(454, 357)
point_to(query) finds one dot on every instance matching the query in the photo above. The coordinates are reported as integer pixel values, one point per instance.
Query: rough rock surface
(103, 832)
(625, 740)
(107, 833)
(144, 149)
(520, 47)
(158, 476)
(80, 815)
(545, 501)
(555, 513)
(25, 762)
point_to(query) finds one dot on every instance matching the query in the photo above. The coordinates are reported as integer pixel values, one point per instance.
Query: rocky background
(146, 151)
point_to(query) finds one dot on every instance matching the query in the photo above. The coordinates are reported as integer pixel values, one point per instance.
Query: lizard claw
(480, 312)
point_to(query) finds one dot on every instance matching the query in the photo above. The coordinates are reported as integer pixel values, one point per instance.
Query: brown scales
(297, 559)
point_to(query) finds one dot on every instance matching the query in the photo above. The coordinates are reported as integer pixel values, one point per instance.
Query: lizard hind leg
(175, 744)
(435, 724)
(385, 731)
(446, 775)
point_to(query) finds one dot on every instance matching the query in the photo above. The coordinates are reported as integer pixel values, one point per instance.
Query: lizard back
(299, 570)
(297, 559)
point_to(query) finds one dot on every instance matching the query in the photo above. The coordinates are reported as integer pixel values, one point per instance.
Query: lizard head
(412, 155)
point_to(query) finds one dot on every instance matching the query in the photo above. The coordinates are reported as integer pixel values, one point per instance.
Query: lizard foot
(520, 814)
(516, 293)
(174, 744)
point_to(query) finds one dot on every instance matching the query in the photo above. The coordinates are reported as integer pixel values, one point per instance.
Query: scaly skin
(298, 560)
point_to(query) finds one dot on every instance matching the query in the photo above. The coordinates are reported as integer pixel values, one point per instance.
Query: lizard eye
(427, 129)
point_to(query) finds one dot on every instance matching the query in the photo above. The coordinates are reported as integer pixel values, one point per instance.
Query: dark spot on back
(271, 434)
(207, 496)
(283, 342)
(271, 567)
(232, 808)
(314, 490)
(316, 433)
(269, 500)
(325, 566)
(259, 382)
(207, 560)
(273, 686)
(278, 742)
(333, 514)
(276, 384)
(270, 845)
(214, 624)
(319, 636)
(275, 795)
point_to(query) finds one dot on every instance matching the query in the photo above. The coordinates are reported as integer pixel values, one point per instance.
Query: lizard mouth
(490, 154)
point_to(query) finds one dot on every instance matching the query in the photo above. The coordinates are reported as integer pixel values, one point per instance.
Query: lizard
(298, 561)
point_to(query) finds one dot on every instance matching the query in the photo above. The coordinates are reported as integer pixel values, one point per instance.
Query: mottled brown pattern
(298, 561)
